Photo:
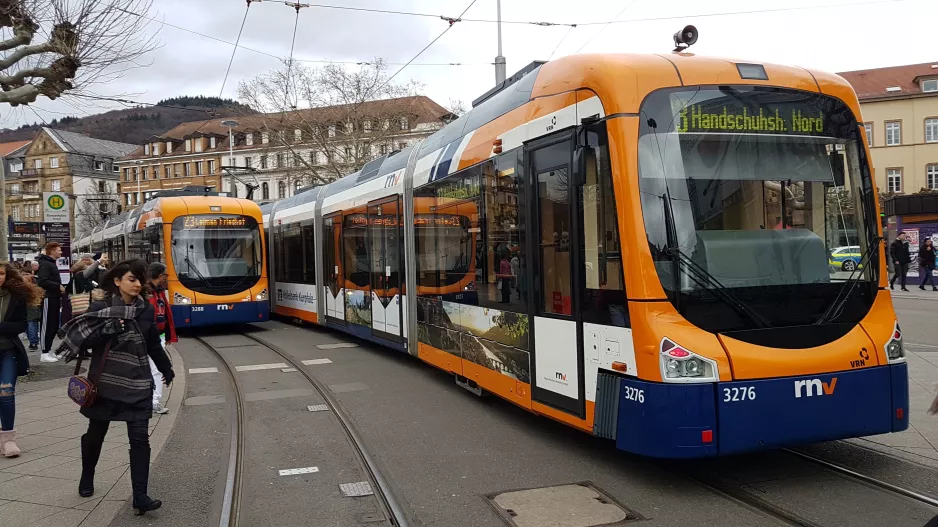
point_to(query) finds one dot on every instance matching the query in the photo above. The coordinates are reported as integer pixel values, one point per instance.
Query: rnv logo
(812, 387)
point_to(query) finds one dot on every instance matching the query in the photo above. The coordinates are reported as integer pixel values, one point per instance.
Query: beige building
(900, 112)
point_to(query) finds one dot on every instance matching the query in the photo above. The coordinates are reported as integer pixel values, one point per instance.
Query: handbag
(81, 389)
(80, 303)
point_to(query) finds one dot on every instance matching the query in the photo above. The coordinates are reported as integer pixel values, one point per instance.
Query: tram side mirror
(837, 168)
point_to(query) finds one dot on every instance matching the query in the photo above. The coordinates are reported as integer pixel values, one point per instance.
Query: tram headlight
(181, 299)
(262, 296)
(895, 351)
(681, 365)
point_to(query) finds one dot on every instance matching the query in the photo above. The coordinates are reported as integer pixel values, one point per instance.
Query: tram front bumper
(703, 420)
(185, 316)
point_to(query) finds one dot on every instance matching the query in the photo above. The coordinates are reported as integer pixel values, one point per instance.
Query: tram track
(393, 513)
(749, 495)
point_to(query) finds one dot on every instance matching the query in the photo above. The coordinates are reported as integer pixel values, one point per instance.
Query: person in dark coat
(122, 334)
(926, 260)
(899, 252)
(48, 278)
(15, 294)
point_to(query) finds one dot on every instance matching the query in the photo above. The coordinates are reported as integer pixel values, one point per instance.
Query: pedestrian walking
(121, 332)
(164, 324)
(33, 310)
(47, 277)
(926, 262)
(15, 294)
(899, 252)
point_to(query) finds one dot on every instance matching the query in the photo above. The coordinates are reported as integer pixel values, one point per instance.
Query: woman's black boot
(89, 460)
(139, 475)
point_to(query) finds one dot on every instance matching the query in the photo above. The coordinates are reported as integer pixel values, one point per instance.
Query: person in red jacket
(164, 324)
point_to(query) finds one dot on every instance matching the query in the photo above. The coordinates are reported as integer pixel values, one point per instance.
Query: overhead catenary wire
(565, 35)
(596, 34)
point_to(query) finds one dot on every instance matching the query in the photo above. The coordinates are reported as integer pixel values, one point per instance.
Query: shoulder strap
(107, 351)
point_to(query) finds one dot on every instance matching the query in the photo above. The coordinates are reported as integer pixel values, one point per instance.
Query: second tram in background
(212, 246)
(636, 246)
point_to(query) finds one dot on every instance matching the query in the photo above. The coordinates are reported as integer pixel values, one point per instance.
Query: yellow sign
(697, 118)
(211, 222)
(56, 202)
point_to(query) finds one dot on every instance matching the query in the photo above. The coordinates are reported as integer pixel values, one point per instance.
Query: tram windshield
(758, 206)
(217, 254)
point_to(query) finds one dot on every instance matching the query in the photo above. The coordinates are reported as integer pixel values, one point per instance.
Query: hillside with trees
(135, 125)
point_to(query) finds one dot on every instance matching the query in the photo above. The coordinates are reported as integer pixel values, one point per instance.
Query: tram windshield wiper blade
(198, 273)
(837, 306)
(705, 278)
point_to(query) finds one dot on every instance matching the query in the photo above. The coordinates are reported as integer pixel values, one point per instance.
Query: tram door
(332, 263)
(558, 355)
(356, 271)
(386, 247)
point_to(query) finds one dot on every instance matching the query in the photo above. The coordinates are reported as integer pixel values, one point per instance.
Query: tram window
(501, 282)
(309, 252)
(292, 243)
(603, 292)
(355, 250)
(446, 217)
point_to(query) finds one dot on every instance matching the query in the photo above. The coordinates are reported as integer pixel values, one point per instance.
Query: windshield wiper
(837, 306)
(198, 273)
(705, 278)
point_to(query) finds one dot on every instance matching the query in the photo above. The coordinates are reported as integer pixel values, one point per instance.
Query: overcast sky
(854, 34)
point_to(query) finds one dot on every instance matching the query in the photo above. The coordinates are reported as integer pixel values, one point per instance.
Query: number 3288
(745, 393)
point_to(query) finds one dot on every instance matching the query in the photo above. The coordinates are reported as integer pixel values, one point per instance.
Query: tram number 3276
(634, 394)
(745, 393)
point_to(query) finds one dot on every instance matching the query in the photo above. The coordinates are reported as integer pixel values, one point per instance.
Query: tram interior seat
(748, 258)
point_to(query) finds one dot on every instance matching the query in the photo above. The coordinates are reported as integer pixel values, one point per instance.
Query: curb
(106, 509)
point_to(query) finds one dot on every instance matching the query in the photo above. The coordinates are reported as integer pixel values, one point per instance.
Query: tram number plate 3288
(744, 393)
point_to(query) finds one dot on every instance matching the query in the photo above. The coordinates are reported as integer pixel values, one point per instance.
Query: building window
(404, 123)
(313, 158)
(387, 124)
(199, 144)
(264, 161)
(99, 165)
(211, 142)
(931, 176)
(331, 130)
(165, 171)
(211, 166)
(56, 185)
(265, 137)
(102, 186)
(931, 130)
(116, 168)
(31, 188)
(930, 85)
(297, 161)
(869, 134)
(146, 149)
(265, 190)
(297, 185)
(37, 164)
(16, 213)
(297, 135)
(366, 126)
(199, 167)
(279, 160)
(126, 174)
(281, 190)
(893, 133)
(54, 162)
(15, 189)
(16, 166)
(156, 149)
(188, 145)
(127, 199)
(188, 169)
(348, 153)
(247, 162)
(894, 179)
(146, 172)
(383, 149)
(249, 139)
(169, 147)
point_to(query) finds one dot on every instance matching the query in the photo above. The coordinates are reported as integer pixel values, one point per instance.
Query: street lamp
(231, 124)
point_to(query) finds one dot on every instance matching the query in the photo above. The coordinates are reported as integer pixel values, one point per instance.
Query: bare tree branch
(66, 46)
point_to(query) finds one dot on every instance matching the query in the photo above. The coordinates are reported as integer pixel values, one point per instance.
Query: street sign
(57, 232)
(55, 206)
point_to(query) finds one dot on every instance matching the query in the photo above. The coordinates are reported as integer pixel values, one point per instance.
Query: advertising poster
(914, 243)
